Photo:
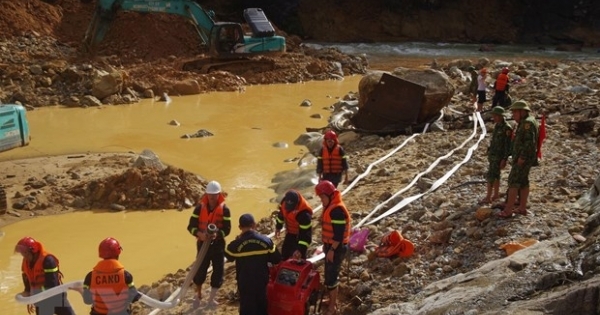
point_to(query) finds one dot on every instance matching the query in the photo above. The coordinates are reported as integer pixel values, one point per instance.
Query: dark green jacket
(525, 141)
(501, 141)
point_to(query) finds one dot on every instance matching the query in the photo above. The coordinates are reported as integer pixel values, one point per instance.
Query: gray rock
(117, 207)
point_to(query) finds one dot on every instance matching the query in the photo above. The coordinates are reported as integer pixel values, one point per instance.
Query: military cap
(498, 110)
(520, 105)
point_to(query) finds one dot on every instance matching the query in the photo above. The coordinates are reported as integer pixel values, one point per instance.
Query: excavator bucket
(393, 105)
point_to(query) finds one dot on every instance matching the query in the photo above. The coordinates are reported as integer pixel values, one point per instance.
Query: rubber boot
(212, 298)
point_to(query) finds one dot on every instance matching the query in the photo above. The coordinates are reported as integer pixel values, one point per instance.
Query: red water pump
(293, 288)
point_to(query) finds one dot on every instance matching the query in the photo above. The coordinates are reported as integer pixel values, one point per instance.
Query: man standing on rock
(501, 87)
(524, 156)
(498, 153)
(332, 162)
(481, 89)
(335, 234)
(252, 252)
(296, 214)
(210, 210)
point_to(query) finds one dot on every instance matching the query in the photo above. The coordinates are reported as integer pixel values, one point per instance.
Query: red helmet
(28, 244)
(505, 70)
(109, 248)
(325, 187)
(330, 135)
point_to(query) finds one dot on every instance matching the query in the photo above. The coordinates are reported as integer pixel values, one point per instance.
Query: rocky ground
(453, 235)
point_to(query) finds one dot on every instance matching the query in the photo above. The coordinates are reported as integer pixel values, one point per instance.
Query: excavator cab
(226, 40)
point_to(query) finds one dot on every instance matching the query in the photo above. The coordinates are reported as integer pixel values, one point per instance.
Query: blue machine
(14, 128)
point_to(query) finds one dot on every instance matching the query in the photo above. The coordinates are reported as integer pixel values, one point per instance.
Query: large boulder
(105, 84)
(367, 85)
(311, 140)
(187, 87)
(438, 89)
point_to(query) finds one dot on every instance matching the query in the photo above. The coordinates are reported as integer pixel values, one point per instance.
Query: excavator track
(235, 66)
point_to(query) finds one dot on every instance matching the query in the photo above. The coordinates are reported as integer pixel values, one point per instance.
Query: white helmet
(213, 187)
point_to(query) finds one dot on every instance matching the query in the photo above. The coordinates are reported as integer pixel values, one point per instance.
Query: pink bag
(358, 240)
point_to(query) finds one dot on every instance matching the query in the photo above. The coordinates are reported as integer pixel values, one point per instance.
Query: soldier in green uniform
(498, 153)
(473, 84)
(524, 156)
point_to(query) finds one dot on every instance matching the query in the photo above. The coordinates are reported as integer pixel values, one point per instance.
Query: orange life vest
(501, 82)
(108, 287)
(291, 224)
(327, 223)
(215, 217)
(332, 161)
(393, 244)
(36, 275)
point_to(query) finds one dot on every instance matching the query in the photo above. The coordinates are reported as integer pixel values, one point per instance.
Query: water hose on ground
(415, 179)
(368, 170)
(441, 180)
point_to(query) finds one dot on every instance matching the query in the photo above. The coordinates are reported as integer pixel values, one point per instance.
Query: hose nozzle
(212, 228)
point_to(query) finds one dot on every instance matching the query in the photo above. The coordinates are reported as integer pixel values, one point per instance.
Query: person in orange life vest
(40, 271)
(109, 288)
(296, 214)
(211, 209)
(501, 87)
(481, 89)
(252, 253)
(335, 226)
(332, 162)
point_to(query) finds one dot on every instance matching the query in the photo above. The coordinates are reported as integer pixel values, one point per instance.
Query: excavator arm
(107, 10)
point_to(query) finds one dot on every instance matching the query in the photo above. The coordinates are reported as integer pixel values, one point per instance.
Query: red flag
(541, 137)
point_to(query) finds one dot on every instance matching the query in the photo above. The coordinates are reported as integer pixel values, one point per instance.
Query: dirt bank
(44, 62)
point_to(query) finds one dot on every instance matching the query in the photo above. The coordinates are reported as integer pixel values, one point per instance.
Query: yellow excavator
(228, 45)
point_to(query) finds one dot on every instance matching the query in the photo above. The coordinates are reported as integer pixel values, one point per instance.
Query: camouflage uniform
(499, 149)
(473, 85)
(524, 146)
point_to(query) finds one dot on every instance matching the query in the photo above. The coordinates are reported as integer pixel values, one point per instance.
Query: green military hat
(520, 105)
(498, 110)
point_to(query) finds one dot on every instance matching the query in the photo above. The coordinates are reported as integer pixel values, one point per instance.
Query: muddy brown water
(241, 156)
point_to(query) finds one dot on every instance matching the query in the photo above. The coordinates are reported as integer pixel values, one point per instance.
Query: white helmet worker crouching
(213, 187)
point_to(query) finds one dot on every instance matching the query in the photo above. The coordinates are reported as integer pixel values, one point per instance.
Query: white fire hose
(170, 302)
